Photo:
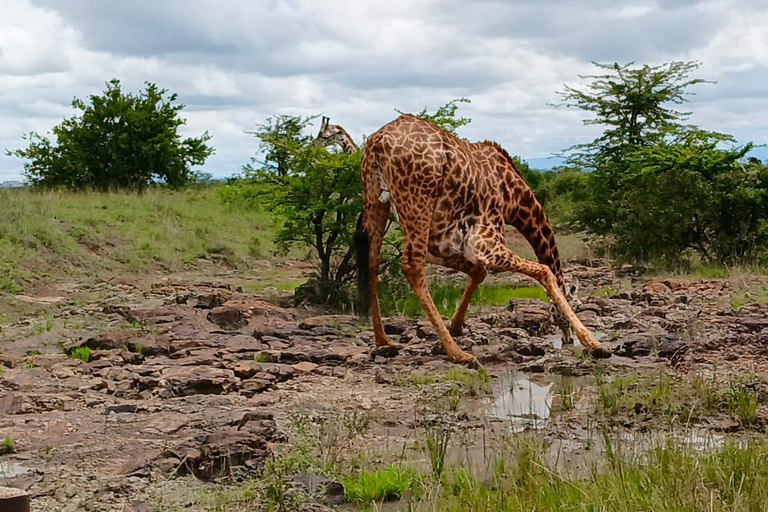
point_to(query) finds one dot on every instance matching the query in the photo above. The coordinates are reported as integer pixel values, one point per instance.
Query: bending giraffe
(453, 199)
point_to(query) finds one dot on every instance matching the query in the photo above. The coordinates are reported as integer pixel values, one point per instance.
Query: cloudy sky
(235, 62)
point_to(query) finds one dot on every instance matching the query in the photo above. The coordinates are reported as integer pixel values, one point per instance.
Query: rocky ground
(192, 381)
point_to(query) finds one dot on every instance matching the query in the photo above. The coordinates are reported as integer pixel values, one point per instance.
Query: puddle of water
(557, 339)
(521, 401)
(10, 469)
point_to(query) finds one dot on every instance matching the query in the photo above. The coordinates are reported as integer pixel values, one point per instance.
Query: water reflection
(521, 401)
(10, 469)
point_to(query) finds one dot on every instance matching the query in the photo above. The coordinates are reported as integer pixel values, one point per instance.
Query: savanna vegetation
(116, 191)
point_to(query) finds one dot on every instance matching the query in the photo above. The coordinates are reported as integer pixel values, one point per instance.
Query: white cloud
(236, 62)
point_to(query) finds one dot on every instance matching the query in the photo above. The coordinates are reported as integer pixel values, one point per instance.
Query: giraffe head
(330, 134)
(571, 292)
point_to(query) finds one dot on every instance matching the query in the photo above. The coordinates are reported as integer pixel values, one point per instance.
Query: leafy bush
(686, 194)
(119, 140)
(316, 193)
(659, 190)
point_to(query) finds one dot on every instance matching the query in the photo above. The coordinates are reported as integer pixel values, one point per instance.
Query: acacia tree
(118, 140)
(658, 189)
(635, 105)
(317, 195)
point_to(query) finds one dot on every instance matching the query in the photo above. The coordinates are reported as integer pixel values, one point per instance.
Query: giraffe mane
(504, 153)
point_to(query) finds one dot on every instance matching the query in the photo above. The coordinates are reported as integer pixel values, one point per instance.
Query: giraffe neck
(529, 219)
(347, 144)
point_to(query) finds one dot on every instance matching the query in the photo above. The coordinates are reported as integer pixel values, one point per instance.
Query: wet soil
(192, 382)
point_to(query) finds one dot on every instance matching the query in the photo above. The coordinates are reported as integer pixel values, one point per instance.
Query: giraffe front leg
(502, 258)
(418, 281)
(476, 275)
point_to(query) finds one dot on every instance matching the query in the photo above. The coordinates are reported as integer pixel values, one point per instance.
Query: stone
(132, 339)
(190, 380)
(333, 321)
(331, 492)
(212, 299)
(386, 351)
(8, 361)
(305, 367)
(250, 387)
(531, 315)
(154, 315)
(236, 314)
(224, 452)
(275, 329)
(246, 369)
(530, 349)
(396, 325)
(13, 500)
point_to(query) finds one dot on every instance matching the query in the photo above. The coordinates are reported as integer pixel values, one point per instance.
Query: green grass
(7, 446)
(47, 235)
(388, 484)
(475, 382)
(447, 296)
(666, 478)
(81, 353)
(683, 400)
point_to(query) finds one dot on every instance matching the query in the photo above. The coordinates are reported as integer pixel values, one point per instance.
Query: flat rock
(305, 367)
(132, 339)
(236, 314)
(189, 380)
(331, 492)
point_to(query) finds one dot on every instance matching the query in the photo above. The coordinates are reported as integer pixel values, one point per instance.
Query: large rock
(240, 447)
(236, 314)
(190, 380)
(13, 500)
(639, 345)
(132, 339)
(331, 492)
(531, 315)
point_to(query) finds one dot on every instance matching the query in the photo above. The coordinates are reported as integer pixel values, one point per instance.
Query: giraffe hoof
(600, 352)
(387, 351)
(456, 331)
(467, 359)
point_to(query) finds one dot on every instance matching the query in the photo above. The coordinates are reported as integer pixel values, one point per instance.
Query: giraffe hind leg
(376, 217)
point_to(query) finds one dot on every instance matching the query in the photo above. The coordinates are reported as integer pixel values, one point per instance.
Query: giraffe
(453, 199)
(334, 134)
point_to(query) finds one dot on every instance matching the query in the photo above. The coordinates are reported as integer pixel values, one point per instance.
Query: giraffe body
(453, 199)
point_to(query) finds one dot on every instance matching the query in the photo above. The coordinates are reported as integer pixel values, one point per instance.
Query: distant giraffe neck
(347, 144)
(531, 221)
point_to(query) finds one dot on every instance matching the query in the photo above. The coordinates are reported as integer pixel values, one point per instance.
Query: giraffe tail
(362, 244)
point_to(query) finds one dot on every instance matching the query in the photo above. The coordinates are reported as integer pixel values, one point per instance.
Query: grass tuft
(388, 484)
(81, 353)
(7, 446)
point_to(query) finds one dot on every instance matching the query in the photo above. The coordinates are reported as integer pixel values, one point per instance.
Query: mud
(191, 381)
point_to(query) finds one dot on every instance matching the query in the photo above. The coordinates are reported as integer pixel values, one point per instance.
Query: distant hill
(11, 184)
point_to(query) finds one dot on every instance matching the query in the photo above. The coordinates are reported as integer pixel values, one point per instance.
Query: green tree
(446, 117)
(691, 191)
(318, 196)
(117, 140)
(635, 105)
